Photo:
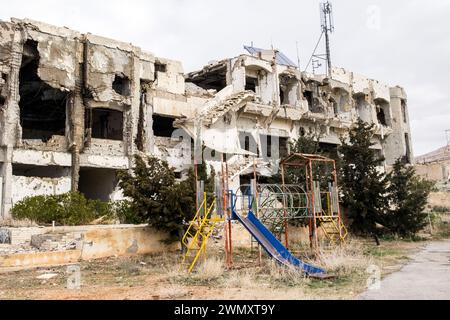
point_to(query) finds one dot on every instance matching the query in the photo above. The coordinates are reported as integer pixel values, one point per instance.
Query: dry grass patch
(346, 260)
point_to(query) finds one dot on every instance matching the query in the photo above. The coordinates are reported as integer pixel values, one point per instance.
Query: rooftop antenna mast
(326, 12)
(327, 26)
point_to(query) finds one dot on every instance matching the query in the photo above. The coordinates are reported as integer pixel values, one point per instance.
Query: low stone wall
(439, 199)
(65, 245)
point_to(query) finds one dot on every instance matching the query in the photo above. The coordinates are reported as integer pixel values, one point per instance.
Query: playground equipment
(269, 242)
(266, 210)
(198, 233)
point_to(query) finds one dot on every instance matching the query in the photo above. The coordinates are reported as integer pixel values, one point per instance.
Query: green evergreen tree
(156, 196)
(409, 196)
(362, 184)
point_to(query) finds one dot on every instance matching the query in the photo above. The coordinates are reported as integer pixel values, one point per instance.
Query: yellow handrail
(205, 227)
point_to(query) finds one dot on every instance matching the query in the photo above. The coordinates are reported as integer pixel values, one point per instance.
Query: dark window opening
(266, 146)
(42, 108)
(4, 80)
(284, 147)
(302, 132)
(245, 182)
(310, 98)
(210, 78)
(288, 88)
(381, 116)
(178, 175)
(122, 85)
(107, 124)
(335, 107)
(405, 116)
(97, 184)
(282, 96)
(269, 146)
(248, 143)
(23, 170)
(328, 149)
(408, 148)
(160, 67)
(251, 83)
(163, 126)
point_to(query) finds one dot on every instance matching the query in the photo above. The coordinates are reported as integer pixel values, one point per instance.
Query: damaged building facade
(75, 108)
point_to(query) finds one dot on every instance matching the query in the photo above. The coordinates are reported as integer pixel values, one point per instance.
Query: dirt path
(426, 277)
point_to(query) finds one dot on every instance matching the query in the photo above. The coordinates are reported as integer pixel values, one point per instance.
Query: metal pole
(315, 239)
(256, 197)
(338, 205)
(227, 258)
(286, 233)
(230, 225)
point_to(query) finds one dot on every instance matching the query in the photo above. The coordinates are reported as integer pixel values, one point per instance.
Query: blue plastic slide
(273, 246)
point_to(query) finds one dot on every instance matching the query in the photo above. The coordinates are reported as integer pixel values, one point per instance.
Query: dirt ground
(157, 277)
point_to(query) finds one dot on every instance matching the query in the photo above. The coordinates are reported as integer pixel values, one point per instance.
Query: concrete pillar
(76, 117)
(399, 143)
(13, 134)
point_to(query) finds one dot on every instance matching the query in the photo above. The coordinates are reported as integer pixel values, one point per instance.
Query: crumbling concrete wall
(23, 187)
(94, 73)
(65, 245)
(98, 77)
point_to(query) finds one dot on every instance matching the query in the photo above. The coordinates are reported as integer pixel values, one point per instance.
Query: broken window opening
(329, 149)
(98, 184)
(408, 148)
(251, 83)
(381, 116)
(107, 124)
(122, 85)
(52, 172)
(42, 108)
(288, 90)
(248, 143)
(282, 96)
(163, 126)
(302, 132)
(268, 146)
(335, 107)
(404, 113)
(160, 67)
(284, 147)
(310, 98)
(178, 175)
(383, 112)
(210, 78)
(3, 94)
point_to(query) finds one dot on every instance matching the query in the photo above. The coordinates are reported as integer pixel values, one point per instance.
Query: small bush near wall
(126, 213)
(69, 209)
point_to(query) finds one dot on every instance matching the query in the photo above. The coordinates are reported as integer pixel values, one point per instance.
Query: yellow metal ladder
(197, 235)
(332, 226)
(335, 231)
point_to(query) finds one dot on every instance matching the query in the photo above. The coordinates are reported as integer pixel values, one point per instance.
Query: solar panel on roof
(280, 58)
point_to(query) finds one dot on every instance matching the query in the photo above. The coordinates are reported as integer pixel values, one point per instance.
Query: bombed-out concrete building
(75, 108)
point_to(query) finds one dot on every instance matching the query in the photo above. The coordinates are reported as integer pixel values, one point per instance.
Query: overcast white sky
(404, 42)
